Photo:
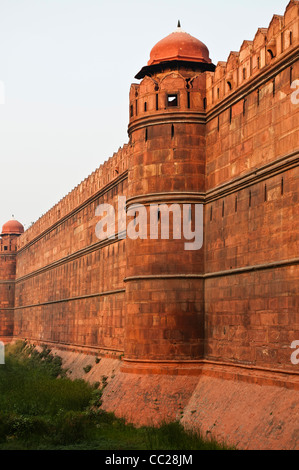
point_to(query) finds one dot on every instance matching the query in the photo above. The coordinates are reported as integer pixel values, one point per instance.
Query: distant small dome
(179, 46)
(12, 227)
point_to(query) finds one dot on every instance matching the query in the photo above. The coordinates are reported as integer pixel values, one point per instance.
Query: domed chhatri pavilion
(12, 227)
(196, 332)
(11, 230)
(179, 46)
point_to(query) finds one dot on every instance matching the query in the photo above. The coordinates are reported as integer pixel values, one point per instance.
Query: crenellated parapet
(102, 177)
(269, 46)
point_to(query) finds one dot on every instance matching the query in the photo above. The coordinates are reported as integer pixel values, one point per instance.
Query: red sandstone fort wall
(7, 285)
(232, 144)
(251, 219)
(69, 284)
(7, 289)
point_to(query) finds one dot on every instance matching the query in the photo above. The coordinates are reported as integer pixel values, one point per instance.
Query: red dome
(12, 227)
(179, 46)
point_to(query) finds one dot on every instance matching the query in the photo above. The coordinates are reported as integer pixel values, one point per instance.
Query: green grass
(42, 409)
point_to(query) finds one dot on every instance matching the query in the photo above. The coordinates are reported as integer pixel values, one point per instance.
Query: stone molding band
(228, 272)
(168, 197)
(70, 299)
(287, 378)
(207, 362)
(159, 277)
(66, 345)
(169, 118)
(11, 255)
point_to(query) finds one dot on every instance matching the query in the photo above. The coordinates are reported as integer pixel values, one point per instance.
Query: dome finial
(179, 24)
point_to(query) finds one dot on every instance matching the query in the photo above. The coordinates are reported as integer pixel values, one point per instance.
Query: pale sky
(67, 66)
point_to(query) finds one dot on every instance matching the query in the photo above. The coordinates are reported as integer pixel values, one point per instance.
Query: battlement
(101, 177)
(268, 47)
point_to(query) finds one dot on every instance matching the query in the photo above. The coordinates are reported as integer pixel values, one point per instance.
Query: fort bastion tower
(8, 258)
(165, 312)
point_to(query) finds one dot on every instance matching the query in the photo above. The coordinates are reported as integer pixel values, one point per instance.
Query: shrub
(71, 427)
(87, 368)
(26, 427)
